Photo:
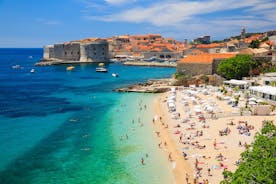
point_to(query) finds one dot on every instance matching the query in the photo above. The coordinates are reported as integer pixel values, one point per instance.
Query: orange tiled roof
(205, 58)
(208, 46)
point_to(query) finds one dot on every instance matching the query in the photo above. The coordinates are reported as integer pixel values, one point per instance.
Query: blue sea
(59, 126)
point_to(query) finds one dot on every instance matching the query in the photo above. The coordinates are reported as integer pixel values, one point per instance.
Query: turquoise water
(66, 127)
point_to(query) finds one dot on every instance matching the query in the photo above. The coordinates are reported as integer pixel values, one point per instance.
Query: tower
(243, 33)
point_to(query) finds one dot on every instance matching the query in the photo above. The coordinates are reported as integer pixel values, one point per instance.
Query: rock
(151, 86)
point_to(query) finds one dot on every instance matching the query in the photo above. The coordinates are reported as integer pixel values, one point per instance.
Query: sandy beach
(211, 143)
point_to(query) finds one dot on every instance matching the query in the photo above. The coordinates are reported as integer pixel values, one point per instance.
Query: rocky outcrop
(151, 86)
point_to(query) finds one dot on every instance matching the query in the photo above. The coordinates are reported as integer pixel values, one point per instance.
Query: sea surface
(58, 126)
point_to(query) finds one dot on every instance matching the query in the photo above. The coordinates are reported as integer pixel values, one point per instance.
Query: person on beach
(187, 178)
(209, 172)
(159, 145)
(240, 144)
(165, 143)
(170, 156)
(126, 136)
(215, 144)
(158, 134)
(180, 138)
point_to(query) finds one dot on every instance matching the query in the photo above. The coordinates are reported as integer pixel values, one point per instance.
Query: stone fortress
(80, 51)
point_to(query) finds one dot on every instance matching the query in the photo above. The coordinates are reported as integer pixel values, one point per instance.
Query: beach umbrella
(252, 99)
(260, 100)
(252, 103)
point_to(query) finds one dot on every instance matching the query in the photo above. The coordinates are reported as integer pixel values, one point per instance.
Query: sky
(35, 23)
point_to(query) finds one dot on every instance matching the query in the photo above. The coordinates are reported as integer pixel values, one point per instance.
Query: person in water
(142, 161)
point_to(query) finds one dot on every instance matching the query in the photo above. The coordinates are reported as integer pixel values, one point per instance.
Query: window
(72, 53)
(103, 53)
(95, 53)
(65, 53)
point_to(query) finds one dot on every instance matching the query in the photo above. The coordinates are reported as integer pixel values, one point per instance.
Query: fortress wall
(94, 52)
(67, 52)
(59, 51)
(72, 52)
(193, 69)
(48, 52)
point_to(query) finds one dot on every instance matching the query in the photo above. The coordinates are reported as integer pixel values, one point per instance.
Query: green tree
(236, 67)
(254, 44)
(258, 161)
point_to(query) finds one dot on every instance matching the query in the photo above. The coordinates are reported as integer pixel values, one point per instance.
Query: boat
(32, 71)
(70, 68)
(115, 75)
(16, 67)
(101, 69)
(101, 64)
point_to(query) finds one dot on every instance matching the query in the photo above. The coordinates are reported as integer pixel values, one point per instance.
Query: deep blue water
(55, 125)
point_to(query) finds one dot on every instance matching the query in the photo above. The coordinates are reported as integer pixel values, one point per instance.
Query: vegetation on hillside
(258, 161)
(254, 44)
(244, 66)
(268, 70)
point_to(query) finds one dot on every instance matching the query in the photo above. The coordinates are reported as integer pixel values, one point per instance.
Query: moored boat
(70, 68)
(101, 69)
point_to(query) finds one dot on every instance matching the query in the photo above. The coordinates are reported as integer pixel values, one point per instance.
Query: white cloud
(192, 15)
(168, 13)
(118, 2)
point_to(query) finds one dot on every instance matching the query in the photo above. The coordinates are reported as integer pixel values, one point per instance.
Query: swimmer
(142, 161)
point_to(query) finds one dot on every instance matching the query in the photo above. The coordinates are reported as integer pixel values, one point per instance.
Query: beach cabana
(239, 83)
(265, 92)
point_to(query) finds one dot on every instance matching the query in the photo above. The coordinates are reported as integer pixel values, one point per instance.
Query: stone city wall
(193, 69)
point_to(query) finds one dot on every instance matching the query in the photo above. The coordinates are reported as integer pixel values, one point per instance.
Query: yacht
(101, 69)
(32, 71)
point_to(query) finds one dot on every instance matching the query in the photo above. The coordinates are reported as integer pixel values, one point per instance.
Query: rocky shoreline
(61, 62)
(151, 86)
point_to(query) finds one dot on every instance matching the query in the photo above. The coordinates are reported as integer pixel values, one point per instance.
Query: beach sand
(200, 150)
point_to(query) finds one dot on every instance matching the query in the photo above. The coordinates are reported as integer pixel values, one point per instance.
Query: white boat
(32, 71)
(101, 69)
(16, 67)
(115, 75)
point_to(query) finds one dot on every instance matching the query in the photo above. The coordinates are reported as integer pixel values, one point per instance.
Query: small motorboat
(115, 75)
(32, 71)
(101, 69)
(16, 67)
(70, 68)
